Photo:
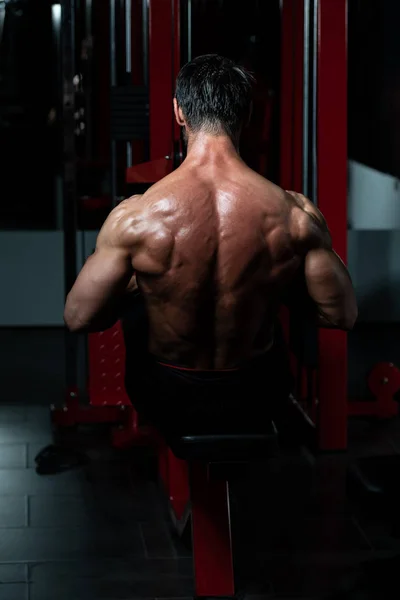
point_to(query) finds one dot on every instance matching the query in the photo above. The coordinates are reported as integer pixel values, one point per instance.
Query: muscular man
(215, 249)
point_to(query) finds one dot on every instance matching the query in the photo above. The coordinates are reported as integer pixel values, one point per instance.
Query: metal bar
(2, 18)
(189, 30)
(314, 138)
(176, 63)
(173, 10)
(146, 64)
(128, 154)
(332, 198)
(178, 484)
(58, 103)
(113, 83)
(114, 174)
(88, 17)
(113, 71)
(286, 95)
(145, 28)
(298, 112)
(306, 93)
(128, 36)
(88, 81)
(160, 60)
(69, 172)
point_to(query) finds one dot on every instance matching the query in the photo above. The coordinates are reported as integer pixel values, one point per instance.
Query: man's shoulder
(132, 222)
(307, 224)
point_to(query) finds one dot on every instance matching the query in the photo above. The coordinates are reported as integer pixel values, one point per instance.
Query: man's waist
(237, 365)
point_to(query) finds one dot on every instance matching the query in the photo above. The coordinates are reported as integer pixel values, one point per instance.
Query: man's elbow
(72, 320)
(75, 326)
(351, 312)
(343, 318)
(348, 318)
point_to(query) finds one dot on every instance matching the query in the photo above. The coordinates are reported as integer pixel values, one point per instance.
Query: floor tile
(12, 414)
(68, 544)
(102, 579)
(58, 511)
(122, 568)
(17, 573)
(14, 591)
(292, 579)
(22, 433)
(27, 481)
(266, 596)
(13, 511)
(157, 540)
(13, 456)
(33, 450)
(84, 539)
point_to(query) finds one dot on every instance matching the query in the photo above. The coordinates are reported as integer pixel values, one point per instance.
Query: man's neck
(205, 147)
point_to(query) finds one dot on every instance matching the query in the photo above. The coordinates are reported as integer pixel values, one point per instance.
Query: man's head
(213, 95)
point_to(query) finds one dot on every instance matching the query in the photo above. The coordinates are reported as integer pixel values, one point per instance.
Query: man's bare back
(225, 257)
(214, 247)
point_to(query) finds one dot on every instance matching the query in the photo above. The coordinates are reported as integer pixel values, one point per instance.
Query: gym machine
(313, 155)
(144, 146)
(127, 105)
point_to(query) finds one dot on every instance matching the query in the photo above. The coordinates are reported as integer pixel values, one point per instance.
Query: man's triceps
(96, 295)
(330, 287)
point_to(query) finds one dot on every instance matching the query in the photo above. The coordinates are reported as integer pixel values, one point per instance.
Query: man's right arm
(329, 286)
(326, 277)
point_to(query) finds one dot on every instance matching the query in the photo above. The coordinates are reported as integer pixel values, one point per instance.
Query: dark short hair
(214, 94)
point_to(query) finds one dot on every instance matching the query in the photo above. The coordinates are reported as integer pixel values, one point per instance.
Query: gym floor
(100, 532)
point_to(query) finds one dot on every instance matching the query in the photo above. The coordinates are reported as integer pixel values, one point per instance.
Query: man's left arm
(96, 299)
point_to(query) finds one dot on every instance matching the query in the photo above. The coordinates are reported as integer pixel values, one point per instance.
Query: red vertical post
(287, 91)
(332, 201)
(178, 483)
(298, 96)
(161, 54)
(212, 544)
(292, 94)
(137, 65)
(176, 26)
(291, 103)
(101, 84)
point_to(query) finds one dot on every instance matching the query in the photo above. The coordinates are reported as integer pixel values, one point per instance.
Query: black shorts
(182, 401)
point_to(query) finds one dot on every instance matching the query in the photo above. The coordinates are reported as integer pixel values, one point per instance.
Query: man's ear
(179, 114)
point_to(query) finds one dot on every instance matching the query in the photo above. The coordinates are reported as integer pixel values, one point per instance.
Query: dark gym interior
(91, 508)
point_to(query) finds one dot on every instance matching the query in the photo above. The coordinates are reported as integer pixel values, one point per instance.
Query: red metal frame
(161, 51)
(137, 68)
(149, 172)
(287, 87)
(174, 475)
(101, 68)
(332, 200)
(208, 500)
(176, 56)
(286, 119)
(108, 399)
(291, 163)
(107, 368)
(291, 105)
(211, 531)
(73, 413)
(384, 383)
(331, 378)
(164, 65)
